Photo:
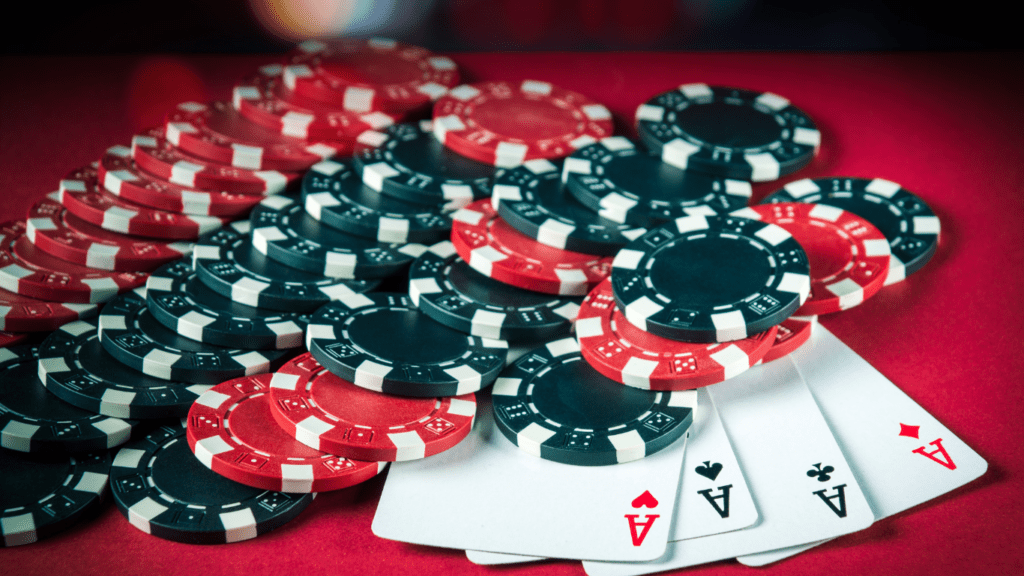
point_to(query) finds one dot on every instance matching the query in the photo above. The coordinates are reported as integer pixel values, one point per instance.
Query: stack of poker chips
(519, 217)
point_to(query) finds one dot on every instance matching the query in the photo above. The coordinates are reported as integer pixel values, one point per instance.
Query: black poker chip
(552, 404)
(179, 301)
(129, 333)
(228, 264)
(624, 183)
(728, 131)
(530, 198)
(333, 194)
(381, 341)
(283, 231)
(162, 489)
(411, 164)
(41, 496)
(34, 420)
(445, 288)
(711, 279)
(907, 222)
(75, 367)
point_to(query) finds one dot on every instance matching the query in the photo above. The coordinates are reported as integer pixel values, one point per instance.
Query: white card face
(487, 494)
(713, 496)
(804, 489)
(900, 454)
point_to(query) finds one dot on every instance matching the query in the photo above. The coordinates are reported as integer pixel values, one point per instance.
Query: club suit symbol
(823, 474)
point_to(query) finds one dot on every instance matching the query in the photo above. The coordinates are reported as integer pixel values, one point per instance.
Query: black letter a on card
(722, 510)
(840, 496)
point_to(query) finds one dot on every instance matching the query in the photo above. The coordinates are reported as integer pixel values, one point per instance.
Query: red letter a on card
(945, 460)
(638, 538)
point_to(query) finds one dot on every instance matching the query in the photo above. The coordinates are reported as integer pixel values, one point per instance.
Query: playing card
(804, 489)
(713, 495)
(900, 454)
(487, 494)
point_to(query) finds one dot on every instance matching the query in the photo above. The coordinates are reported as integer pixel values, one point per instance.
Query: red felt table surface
(948, 127)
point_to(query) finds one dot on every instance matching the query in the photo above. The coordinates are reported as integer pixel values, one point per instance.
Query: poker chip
(334, 195)
(122, 178)
(155, 155)
(23, 314)
(228, 432)
(792, 334)
(382, 342)
(11, 338)
(162, 489)
(179, 301)
(628, 355)
(505, 124)
(907, 222)
(218, 133)
(130, 334)
(445, 288)
(375, 74)
(411, 165)
(625, 184)
(710, 279)
(325, 412)
(553, 405)
(27, 270)
(227, 263)
(54, 230)
(44, 496)
(74, 366)
(493, 248)
(849, 257)
(262, 99)
(282, 231)
(728, 131)
(81, 195)
(34, 420)
(531, 199)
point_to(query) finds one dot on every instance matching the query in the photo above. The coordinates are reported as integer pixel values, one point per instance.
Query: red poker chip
(377, 74)
(506, 124)
(82, 197)
(849, 257)
(493, 248)
(263, 99)
(630, 356)
(27, 270)
(52, 229)
(23, 314)
(327, 413)
(11, 339)
(121, 177)
(155, 155)
(218, 133)
(792, 334)
(230, 429)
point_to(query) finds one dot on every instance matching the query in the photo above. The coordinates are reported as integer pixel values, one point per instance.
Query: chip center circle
(177, 472)
(39, 478)
(729, 125)
(479, 288)
(406, 336)
(371, 68)
(352, 404)
(829, 252)
(577, 396)
(524, 118)
(251, 421)
(708, 271)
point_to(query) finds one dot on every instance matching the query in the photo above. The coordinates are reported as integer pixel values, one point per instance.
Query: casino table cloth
(947, 126)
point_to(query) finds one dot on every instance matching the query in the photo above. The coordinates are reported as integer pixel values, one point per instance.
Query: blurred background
(269, 26)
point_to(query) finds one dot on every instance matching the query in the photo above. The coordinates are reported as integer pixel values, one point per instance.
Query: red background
(946, 126)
